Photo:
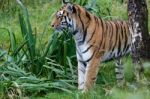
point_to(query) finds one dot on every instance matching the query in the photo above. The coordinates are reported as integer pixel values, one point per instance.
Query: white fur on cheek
(60, 12)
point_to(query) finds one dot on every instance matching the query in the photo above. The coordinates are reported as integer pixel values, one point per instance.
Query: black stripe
(116, 36)
(74, 9)
(119, 67)
(94, 29)
(88, 15)
(120, 78)
(103, 40)
(69, 19)
(94, 78)
(63, 23)
(105, 35)
(111, 34)
(127, 48)
(92, 35)
(90, 57)
(81, 42)
(118, 72)
(106, 29)
(67, 14)
(75, 32)
(81, 20)
(122, 32)
(111, 29)
(83, 71)
(85, 31)
(102, 32)
(119, 46)
(87, 49)
(126, 38)
(84, 36)
(83, 62)
(81, 83)
(123, 36)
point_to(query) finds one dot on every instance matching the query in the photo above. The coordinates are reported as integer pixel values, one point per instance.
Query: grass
(106, 86)
(37, 63)
(100, 93)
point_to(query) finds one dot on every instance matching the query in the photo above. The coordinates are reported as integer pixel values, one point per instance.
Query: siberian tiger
(96, 41)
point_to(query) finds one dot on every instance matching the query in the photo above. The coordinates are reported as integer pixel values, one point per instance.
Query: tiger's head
(64, 17)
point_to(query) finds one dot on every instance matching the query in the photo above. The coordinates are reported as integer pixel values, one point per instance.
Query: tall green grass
(25, 70)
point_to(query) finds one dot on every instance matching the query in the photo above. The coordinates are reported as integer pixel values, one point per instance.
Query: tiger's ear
(63, 2)
(70, 8)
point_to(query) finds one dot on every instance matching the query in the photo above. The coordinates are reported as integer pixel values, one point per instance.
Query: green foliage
(8, 6)
(27, 59)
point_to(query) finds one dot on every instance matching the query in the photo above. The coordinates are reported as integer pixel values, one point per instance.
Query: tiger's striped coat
(96, 41)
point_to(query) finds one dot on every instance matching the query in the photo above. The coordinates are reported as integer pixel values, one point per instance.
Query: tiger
(96, 41)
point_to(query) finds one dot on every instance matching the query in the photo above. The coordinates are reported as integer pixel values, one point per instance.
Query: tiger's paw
(83, 89)
(121, 83)
(81, 86)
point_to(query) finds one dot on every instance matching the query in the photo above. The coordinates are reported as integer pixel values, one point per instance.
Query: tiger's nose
(52, 25)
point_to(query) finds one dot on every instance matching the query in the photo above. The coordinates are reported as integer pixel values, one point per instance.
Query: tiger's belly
(113, 54)
(84, 53)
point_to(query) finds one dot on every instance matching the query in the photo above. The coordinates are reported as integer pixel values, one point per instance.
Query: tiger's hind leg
(119, 73)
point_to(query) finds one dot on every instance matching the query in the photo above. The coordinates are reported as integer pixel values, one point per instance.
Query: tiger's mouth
(59, 29)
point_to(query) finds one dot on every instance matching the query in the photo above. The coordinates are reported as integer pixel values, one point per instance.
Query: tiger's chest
(84, 53)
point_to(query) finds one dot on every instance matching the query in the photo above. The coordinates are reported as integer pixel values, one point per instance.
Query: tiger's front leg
(91, 73)
(81, 75)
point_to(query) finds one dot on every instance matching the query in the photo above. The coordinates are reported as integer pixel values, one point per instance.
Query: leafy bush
(26, 68)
